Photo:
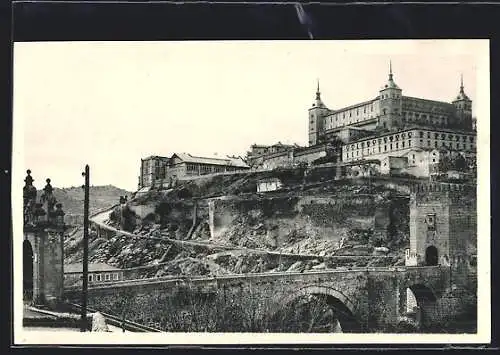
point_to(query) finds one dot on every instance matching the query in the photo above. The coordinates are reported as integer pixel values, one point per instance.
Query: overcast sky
(107, 104)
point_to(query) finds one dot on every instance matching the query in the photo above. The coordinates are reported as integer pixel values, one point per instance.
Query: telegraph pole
(85, 280)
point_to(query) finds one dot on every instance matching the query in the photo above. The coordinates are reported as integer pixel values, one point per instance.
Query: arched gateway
(42, 245)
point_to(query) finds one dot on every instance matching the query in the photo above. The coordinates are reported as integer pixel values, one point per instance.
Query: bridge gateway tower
(443, 229)
(43, 255)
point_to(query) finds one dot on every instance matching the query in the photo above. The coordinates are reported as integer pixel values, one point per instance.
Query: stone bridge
(365, 299)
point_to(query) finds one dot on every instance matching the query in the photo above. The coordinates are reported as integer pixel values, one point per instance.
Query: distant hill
(99, 197)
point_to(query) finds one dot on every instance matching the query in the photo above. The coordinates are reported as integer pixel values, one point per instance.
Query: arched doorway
(27, 271)
(431, 256)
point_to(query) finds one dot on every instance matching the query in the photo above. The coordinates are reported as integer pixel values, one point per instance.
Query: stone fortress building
(397, 132)
(389, 134)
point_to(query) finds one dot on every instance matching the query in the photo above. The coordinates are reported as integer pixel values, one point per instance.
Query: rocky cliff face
(317, 218)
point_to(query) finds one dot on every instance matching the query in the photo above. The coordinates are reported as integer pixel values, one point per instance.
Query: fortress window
(379, 149)
(390, 146)
(90, 278)
(403, 144)
(443, 136)
(471, 139)
(428, 134)
(385, 148)
(397, 136)
(397, 145)
(435, 144)
(403, 135)
(436, 136)
(421, 134)
(430, 220)
(409, 143)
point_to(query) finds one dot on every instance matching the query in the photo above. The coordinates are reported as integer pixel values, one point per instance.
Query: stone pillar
(211, 217)
(39, 274)
(195, 213)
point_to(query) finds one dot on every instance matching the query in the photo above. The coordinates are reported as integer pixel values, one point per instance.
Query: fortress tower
(443, 229)
(390, 104)
(463, 107)
(42, 245)
(316, 118)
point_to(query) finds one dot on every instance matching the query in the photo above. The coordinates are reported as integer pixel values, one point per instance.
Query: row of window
(392, 96)
(421, 134)
(403, 145)
(207, 169)
(104, 277)
(423, 106)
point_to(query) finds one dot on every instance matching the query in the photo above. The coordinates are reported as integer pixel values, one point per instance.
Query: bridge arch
(320, 290)
(421, 301)
(341, 309)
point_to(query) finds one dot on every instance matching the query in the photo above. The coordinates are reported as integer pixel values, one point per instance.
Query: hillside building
(97, 272)
(155, 169)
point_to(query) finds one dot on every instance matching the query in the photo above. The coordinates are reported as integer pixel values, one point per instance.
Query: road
(101, 217)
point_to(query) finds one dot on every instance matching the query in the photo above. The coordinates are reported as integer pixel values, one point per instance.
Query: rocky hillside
(365, 223)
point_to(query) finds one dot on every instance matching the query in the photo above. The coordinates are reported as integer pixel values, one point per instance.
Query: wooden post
(85, 249)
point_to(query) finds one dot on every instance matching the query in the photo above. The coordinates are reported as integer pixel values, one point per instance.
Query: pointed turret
(463, 106)
(390, 104)
(461, 93)
(390, 82)
(318, 102)
(316, 117)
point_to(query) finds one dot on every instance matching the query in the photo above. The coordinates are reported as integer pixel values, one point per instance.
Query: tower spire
(318, 94)
(461, 82)
(390, 69)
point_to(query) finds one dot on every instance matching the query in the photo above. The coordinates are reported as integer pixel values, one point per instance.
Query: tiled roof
(93, 267)
(188, 158)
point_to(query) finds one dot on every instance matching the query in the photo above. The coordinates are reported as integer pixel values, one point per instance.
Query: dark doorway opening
(27, 271)
(431, 256)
